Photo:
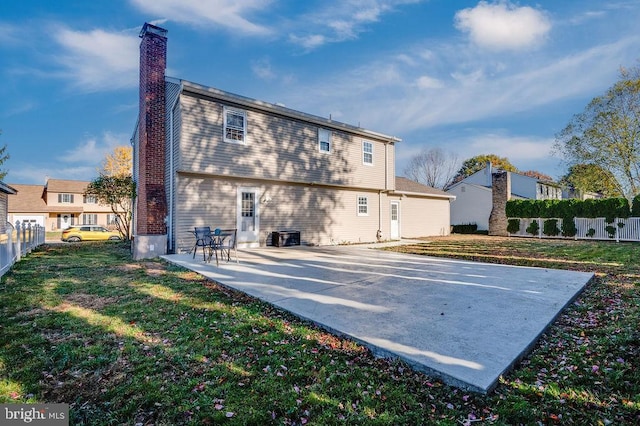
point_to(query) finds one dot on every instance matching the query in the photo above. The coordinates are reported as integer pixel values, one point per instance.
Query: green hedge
(609, 208)
(467, 228)
(635, 206)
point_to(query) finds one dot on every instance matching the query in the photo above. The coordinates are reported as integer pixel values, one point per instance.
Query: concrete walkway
(464, 322)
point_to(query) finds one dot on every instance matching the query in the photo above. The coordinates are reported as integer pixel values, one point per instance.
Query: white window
(112, 219)
(65, 198)
(363, 206)
(324, 140)
(235, 125)
(367, 153)
(90, 199)
(90, 219)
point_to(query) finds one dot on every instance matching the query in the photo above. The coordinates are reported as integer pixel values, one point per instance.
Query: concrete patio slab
(464, 322)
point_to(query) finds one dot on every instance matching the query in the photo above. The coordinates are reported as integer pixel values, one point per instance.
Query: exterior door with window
(248, 217)
(395, 221)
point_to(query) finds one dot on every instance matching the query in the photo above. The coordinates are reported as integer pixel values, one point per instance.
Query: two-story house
(56, 205)
(206, 157)
(473, 194)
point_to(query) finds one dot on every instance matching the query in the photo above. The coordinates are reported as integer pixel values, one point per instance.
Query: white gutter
(171, 171)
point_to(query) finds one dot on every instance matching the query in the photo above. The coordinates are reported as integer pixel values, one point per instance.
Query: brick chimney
(150, 239)
(501, 193)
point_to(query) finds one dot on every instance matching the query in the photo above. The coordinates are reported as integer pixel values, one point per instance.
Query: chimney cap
(148, 28)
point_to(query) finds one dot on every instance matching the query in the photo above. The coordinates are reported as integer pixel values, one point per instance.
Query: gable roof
(408, 186)
(66, 186)
(29, 199)
(242, 101)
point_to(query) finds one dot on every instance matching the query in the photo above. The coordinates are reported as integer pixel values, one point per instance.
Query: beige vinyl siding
(3, 211)
(424, 217)
(276, 148)
(322, 215)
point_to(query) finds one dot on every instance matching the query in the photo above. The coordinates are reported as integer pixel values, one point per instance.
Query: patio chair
(224, 240)
(204, 240)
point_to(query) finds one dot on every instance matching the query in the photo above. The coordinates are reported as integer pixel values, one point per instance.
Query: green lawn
(129, 342)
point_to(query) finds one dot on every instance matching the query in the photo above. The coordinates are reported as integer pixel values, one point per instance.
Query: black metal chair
(225, 240)
(204, 240)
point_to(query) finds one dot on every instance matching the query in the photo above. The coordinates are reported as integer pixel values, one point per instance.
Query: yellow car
(89, 233)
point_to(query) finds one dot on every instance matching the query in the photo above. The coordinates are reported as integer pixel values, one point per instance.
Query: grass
(128, 342)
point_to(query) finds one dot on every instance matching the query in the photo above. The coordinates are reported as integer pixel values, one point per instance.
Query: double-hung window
(235, 125)
(363, 206)
(367, 153)
(324, 140)
(90, 199)
(65, 198)
(90, 219)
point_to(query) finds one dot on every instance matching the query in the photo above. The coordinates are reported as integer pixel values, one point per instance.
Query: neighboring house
(473, 201)
(57, 205)
(205, 157)
(5, 191)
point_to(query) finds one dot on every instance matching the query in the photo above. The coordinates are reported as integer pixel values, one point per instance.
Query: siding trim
(189, 173)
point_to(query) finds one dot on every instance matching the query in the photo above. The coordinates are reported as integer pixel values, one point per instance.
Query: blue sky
(471, 77)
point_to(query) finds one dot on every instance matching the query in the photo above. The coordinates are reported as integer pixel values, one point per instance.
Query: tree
(479, 162)
(115, 187)
(607, 134)
(537, 175)
(118, 163)
(432, 167)
(591, 178)
(4, 156)
(119, 193)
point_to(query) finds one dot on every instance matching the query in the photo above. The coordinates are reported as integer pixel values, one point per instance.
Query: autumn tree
(607, 134)
(4, 156)
(591, 178)
(479, 162)
(118, 163)
(433, 167)
(118, 192)
(537, 175)
(116, 188)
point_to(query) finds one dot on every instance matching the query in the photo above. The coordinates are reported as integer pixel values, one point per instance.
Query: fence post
(19, 242)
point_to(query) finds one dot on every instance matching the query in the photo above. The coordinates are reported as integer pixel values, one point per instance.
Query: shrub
(569, 228)
(468, 228)
(513, 226)
(591, 232)
(611, 230)
(533, 228)
(550, 227)
(635, 208)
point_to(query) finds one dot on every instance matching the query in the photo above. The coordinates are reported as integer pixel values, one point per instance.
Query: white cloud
(341, 20)
(97, 60)
(503, 25)
(515, 148)
(227, 14)
(426, 82)
(263, 69)
(92, 151)
(308, 42)
(9, 35)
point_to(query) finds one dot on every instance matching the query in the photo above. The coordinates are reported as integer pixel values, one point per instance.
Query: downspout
(379, 235)
(171, 171)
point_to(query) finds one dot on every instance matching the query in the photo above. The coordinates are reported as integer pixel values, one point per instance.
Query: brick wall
(501, 193)
(152, 204)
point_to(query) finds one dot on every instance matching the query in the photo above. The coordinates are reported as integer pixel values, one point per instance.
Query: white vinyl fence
(18, 241)
(588, 229)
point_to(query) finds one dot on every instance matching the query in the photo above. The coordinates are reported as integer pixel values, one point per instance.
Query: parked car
(89, 233)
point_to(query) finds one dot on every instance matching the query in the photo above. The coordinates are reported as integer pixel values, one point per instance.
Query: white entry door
(248, 217)
(395, 221)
